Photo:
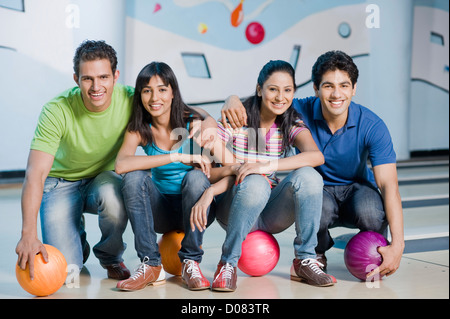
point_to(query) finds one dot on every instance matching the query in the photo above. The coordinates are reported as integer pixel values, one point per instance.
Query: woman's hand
(204, 133)
(199, 216)
(252, 168)
(234, 113)
(200, 161)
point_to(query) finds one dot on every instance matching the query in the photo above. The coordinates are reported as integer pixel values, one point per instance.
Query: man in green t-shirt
(70, 167)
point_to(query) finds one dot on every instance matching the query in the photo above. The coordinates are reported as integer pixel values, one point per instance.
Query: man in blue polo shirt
(349, 135)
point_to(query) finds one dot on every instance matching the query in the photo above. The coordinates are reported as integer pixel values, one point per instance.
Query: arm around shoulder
(234, 111)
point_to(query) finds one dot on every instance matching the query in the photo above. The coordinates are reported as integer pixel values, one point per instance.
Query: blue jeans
(62, 206)
(253, 205)
(151, 212)
(353, 206)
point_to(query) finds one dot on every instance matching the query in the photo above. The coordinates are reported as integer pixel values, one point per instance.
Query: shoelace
(140, 270)
(313, 264)
(192, 269)
(227, 271)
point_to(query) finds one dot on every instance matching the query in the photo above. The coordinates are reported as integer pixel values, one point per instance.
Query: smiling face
(335, 93)
(157, 97)
(276, 94)
(96, 81)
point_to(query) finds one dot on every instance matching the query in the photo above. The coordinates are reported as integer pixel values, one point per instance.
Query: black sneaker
(322, 259)
(117, 271)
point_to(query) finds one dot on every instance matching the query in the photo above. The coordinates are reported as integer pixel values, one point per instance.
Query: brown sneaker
(225, 278)
(144, 276)
(117, 271)
(309, 271)
(192, 276)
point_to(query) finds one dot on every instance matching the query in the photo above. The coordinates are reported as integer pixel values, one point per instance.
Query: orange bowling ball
(169, 245)
(48, 277)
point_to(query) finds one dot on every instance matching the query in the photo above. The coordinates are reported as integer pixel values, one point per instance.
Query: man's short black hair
(331, 61)
(94, 50)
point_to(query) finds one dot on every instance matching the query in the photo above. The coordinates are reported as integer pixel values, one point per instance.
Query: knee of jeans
(134, 180)
(256, 187)
(111, 202)
(195, 179)
(373, 219)
(369, 211)
(308, 179)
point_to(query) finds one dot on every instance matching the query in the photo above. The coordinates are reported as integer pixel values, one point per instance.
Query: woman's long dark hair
(252, 104)
(180, 113)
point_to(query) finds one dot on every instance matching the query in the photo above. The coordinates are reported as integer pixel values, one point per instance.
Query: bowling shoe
(192, 276)
(117, 271)
(225, 278)
(322, 259)
(309, 271)
(144, 276)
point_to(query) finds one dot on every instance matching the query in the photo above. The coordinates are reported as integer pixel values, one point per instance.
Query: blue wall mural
(217, 22)
(217, 48)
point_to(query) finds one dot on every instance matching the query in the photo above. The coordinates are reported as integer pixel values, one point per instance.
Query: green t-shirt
(84, 143)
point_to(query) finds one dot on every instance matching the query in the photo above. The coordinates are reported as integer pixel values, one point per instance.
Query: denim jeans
(151, 212)
(353, 206)
(253, 205)
(62, 206)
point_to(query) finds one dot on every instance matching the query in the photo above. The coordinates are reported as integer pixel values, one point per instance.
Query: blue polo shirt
(364, 137)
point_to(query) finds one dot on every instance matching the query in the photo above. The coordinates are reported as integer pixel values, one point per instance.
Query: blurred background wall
(217, 47)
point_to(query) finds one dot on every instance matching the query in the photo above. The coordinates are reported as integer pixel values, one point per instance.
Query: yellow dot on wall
(202, 28)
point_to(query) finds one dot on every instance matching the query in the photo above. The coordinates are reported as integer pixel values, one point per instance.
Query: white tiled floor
(421, 275)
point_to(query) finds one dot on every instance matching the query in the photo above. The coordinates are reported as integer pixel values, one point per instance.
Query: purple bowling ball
(361, 255)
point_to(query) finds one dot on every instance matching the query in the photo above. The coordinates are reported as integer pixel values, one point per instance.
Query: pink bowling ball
(260, 254)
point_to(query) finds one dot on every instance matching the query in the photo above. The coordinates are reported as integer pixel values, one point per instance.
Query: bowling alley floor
(423, 273)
